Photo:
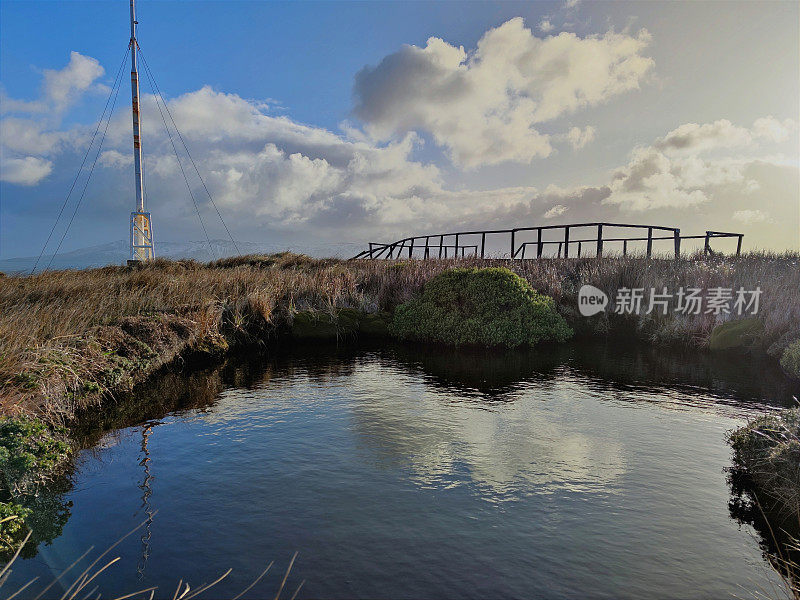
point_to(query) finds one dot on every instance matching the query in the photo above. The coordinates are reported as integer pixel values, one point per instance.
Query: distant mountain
(116, 253)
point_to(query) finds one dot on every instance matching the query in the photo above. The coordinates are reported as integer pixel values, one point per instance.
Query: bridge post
(707, 245)
(600, 240)
(513, 233)
(566, 241)
(441, 242)
(624, 247)
(370, 250)
(539, 244)
(455, 249)
(677, 237)
(739, 245)
(483, 243)
(579, 249)
(427, 250)
(649, 241)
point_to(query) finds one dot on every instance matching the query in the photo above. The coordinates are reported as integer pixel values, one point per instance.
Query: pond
(588, 470)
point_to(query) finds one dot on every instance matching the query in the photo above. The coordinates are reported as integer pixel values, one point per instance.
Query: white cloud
(268, 171)
(772, 129)
(63, 86)
(28, 136)
(694, 138)
(26, 143)
(556, 211)
(24, 171)
(674, 172)
(545, 26)
(750, 216)
(579, 138)
(483, 105)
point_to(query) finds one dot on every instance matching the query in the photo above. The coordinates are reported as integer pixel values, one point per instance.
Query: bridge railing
(446, 245)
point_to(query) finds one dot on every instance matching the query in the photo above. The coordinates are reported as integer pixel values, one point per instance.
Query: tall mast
(137, 143)
(141, 230)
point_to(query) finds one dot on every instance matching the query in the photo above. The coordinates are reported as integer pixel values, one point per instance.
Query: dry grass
(66, 337)
(85, 585)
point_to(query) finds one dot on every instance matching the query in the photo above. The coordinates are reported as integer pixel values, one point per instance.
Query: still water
(592, 471)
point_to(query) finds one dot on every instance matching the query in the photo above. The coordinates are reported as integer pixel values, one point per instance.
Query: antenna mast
(141, 228)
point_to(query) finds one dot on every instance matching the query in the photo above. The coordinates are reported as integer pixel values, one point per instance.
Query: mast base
(142, 248)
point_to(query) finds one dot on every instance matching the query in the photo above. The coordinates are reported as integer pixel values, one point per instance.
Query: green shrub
(12, 526)
(29, 447)
(489, 307)
(790, 360)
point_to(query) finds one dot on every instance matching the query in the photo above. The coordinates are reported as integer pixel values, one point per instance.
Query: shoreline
(186, 313)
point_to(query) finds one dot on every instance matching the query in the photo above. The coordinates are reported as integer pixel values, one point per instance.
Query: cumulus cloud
(27, 143)
(676, 170)
(750, 216)
(556, 211)
(483, 105)
(694, 138)
(267, 171)
(270, 169)
(545, 26)
(63, 86)
(24, 171)
(579, 138)
(772, 129)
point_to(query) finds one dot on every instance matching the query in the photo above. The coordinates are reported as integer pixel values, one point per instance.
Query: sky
(317, 124)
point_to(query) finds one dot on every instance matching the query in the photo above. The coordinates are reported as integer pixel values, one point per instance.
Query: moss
(790, 360)
(212, 345)
(733, 335)
(29, 449)
(490, 307)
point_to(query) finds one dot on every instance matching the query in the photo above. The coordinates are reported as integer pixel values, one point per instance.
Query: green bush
(490, 307)
(790, 360)
(29, 447)
(12, 526)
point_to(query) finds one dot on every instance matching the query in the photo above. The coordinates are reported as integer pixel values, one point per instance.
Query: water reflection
(611, 365)
(518, 466)
(146, 507)
(505, 450)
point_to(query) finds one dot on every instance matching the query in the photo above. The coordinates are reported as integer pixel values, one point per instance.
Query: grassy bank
(765, 478)
(767, 452)
(70, 339)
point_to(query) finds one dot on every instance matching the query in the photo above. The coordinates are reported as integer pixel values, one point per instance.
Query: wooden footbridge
(577, 239)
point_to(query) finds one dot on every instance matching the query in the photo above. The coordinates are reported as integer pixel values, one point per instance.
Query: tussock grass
(766, 465)
(70, 338)
(767, 449)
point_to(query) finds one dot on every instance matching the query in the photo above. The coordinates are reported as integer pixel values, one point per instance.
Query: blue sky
(688, 117)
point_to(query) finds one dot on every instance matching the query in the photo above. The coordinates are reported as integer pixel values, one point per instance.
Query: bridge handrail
(377, 249)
